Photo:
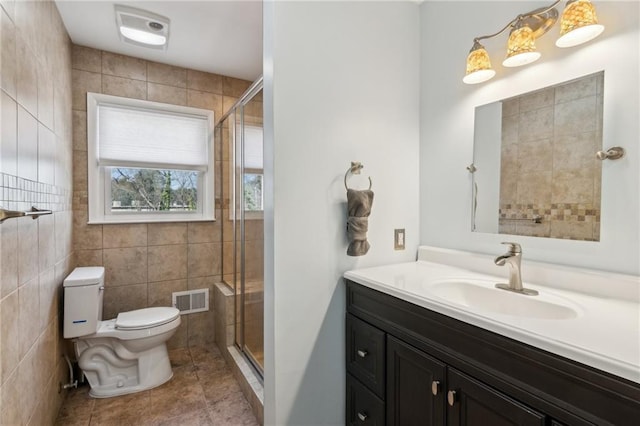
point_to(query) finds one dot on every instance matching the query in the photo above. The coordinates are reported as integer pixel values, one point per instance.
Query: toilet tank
(83, 292)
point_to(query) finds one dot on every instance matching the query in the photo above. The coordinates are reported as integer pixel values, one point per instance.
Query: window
(148, 162)
(253, 169)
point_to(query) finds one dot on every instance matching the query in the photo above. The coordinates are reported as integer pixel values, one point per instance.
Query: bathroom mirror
(535, 172)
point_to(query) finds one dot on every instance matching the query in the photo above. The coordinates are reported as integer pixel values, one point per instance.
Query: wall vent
(191, 301)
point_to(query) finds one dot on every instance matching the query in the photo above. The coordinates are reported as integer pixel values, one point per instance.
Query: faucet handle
(513, 247)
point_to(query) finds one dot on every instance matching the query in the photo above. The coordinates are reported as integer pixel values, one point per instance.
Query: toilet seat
(146, 318)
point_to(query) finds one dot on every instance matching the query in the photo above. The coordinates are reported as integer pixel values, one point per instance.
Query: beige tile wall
(145, 263)
(549, 168)
(35, 170)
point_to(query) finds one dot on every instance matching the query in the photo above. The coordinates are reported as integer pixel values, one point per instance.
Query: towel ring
(355, 168)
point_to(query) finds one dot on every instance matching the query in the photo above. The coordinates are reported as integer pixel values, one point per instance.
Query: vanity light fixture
(578, 25)
(142, 28)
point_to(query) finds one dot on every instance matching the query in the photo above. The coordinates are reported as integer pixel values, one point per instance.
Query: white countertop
(604, 334)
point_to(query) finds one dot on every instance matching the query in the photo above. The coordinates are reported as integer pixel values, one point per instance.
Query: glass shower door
(245, 139)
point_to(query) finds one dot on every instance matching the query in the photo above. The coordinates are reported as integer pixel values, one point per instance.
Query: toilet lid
(145, 318)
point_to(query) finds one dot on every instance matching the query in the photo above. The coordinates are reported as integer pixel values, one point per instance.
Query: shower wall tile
(126, 235)
(27, 76)
(167, 233)
(206, 100)
(27, 249)
(85, 236)
(28, 317)
(79, 130)
(11, 404)
(167, 74)
(124, 87)
(124, 298)
(125, 266)
(124, 66)
(204, 259)
(9, 336)
(47, 155)
(152, 263)
(204, 232)
(234, 87)
(89, 258)
(8, 258)
(45, 97)
(83, 82)
(48, 291)
(199, 80)
(27, 145)
(8, 55)
(46, 242)
(166, 94)
(35, 171)
(159, 293)
(167, 262)
(86, 59)
(9, 134)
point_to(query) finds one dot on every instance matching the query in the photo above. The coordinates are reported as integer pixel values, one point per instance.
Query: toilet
(119, 356)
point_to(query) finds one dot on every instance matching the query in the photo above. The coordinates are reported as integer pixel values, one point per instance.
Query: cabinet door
(470, 402)
(415, 386)
(363, 407)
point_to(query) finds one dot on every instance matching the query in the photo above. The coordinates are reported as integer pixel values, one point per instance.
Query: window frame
(99, 177)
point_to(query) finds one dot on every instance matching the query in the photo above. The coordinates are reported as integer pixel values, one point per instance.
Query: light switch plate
(398, 239)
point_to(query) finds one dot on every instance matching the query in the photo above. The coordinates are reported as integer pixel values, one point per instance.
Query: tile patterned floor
(202, 392)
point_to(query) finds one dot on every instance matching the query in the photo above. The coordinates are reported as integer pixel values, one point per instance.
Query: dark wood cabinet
(472, 403)
(363, 407)
(415, 386)
(423, 368)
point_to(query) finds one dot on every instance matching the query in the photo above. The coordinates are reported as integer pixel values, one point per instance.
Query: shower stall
(240, 131)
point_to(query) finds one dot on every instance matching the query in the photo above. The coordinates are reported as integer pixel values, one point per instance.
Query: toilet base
(112, 370)
(100, 392)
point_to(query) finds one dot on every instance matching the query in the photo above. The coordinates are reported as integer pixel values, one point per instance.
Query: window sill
(146, 220)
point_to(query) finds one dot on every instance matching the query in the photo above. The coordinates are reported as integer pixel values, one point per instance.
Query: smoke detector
(142, 28)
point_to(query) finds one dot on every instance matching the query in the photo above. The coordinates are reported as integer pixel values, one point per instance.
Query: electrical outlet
(398, 239)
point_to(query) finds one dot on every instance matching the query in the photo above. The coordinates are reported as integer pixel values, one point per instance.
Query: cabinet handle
(362, 416)
(452, 397)
(362, 353)
(435, 387)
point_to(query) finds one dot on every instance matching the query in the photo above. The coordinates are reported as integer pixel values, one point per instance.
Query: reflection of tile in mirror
(576, 89)
(536, 124)
(534, 188)
(535, 156)
(536, 100)
(575, 116)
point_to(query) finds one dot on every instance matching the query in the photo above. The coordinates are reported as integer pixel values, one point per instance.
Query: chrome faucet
(513, 257)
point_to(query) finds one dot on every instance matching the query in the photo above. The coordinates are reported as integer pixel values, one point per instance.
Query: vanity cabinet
(407, 365)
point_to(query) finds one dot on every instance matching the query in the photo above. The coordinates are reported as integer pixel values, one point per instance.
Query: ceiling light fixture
(142, 28)
(578, 25)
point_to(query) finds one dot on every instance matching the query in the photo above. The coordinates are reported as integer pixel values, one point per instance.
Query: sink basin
(482, 295)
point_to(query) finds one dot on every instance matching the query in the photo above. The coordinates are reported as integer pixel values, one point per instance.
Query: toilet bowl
(119, 356)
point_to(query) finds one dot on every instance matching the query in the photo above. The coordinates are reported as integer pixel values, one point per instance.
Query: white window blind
(134, 137)
(253, 147)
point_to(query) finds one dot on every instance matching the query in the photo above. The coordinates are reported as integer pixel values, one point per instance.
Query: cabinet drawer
(363, 407)
(366, 354)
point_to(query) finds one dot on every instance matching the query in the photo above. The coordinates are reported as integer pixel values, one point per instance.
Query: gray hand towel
(358, 209)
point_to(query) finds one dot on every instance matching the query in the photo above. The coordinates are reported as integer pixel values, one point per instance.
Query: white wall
(447, 107)
(343, 81)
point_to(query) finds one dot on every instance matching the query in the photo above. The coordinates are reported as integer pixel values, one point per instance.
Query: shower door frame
(236, 141)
